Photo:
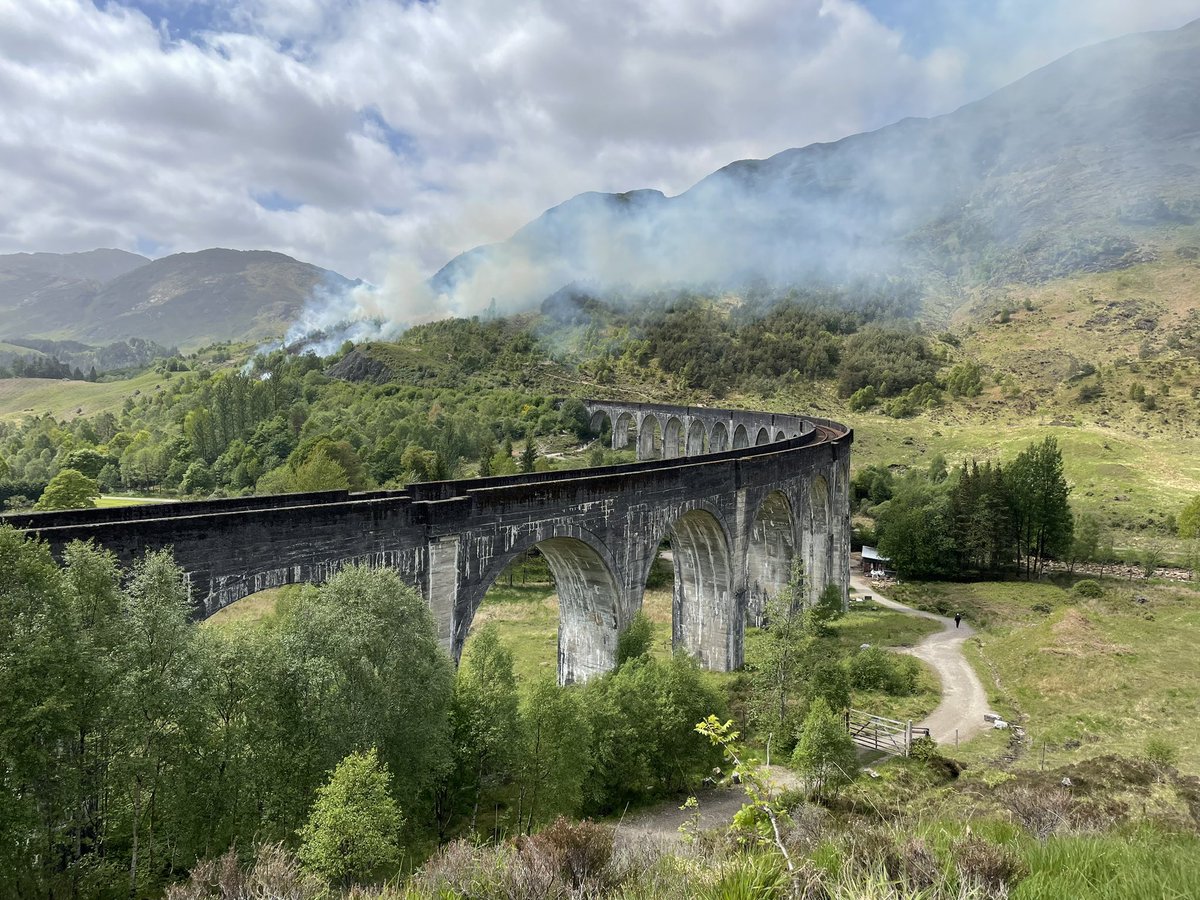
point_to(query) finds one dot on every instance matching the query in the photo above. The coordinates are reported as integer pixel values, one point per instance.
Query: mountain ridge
(182, 299)
(1062, 170)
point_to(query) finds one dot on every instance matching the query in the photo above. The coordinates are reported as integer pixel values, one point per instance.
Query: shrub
(924, 749)
(275, 872)
(756, 877)
(1161, 753)
(825, 753)
(1041, 811)
(580, 852)
(353, 831)
(990, 866)
(862, 399)
(1088, 587)
(636, 640)
(875, 669)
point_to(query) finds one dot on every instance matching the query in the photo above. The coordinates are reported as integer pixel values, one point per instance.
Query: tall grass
(1119, 866)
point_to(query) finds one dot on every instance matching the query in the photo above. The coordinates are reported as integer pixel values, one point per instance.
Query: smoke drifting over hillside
(1062, 170)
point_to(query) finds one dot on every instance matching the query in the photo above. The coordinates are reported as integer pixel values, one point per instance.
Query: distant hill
(185, 299)
(42, 292)
(1090, 163)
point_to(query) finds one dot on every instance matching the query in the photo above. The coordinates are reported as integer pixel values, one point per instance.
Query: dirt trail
(964, 700)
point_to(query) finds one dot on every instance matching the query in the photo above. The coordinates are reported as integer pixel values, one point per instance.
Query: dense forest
(977, 520)
(136, 742)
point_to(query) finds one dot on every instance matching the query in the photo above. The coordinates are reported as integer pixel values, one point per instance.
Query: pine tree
(529, 456)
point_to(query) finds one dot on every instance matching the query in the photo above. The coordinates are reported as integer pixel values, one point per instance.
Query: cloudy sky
(371, 136)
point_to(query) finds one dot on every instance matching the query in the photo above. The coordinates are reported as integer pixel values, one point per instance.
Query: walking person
(957, 619)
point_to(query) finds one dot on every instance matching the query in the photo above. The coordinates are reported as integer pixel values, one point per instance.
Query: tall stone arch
(589, 601)
(718, 438)
(695, 438)
(705, 611)
(770, 550)
(649, 438)
(673, 439)
(741, 438)
(624, 431)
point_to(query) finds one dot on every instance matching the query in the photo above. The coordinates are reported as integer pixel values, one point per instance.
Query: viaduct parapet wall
(739, 494)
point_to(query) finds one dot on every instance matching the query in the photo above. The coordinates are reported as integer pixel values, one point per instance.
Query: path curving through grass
(964, 701)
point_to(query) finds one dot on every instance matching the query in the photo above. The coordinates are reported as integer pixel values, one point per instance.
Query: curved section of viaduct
(740, 495)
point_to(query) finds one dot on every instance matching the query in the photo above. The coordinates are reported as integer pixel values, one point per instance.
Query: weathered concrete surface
(735, 519)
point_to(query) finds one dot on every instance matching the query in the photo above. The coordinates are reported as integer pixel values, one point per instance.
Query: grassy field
(251, 610)
(66, 399)
(109, 501)
(1085, 677)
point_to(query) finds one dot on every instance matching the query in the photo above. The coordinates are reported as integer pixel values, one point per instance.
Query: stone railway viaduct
(739, 493)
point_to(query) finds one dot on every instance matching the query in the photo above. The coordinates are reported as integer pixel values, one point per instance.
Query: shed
(874, 563)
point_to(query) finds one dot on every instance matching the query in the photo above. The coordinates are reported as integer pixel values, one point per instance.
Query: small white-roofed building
(874, 564)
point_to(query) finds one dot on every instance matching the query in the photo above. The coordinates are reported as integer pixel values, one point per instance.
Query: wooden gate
(882, 734)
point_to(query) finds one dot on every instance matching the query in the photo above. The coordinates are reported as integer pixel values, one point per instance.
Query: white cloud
(404, 133)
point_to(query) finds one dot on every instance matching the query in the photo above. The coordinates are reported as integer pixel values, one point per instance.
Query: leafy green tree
(1189, 519)
(778, 679)
(965, 380)
(555, 762)
(574, 418)
(1085, 543)
(358, 665)
(915, 530)
(828, 608)
(937, 468)
(352, 834)
(320, 472)
(486, 712)
(87, 460)
(980, 518)
(69, 489)
(636, 640)
(824, 755)
(156, 666)
(35, 652)
(828, 681)
(198, 479)
(642, 717)
(863, 399)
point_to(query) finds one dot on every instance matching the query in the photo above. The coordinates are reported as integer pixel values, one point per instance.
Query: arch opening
(763, 437)
(695, 438)
(741, 438)
(769, 555)
(718, 441)
(520, 601)
(673, 439)
(650, 442)
(780, 436)
(704, 607)
(601, 427)
(624, 432)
